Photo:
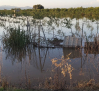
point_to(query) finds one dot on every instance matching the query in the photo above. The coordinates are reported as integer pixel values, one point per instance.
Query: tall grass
(16, 38)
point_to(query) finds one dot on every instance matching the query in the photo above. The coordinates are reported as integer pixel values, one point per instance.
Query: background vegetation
(91, 12)
(38, 6)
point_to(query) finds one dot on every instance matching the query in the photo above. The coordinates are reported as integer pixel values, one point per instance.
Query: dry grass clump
(60, 69)
(55, 83)
(87, 86)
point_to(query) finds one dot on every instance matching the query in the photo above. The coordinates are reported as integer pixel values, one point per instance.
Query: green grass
(16, 38)
(1, 89)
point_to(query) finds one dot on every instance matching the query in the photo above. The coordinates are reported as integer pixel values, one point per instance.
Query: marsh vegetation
(32, 55)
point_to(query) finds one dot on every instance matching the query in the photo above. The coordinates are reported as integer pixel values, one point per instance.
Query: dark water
(37, 66)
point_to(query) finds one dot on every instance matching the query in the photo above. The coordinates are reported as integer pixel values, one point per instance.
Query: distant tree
(38, 6)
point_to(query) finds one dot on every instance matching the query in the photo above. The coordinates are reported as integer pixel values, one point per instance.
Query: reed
(16, 38)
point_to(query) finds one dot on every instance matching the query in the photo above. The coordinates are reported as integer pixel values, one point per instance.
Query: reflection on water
(32, 63)
(75, 53)
(53, 27)
(31, 66)
(0, 62)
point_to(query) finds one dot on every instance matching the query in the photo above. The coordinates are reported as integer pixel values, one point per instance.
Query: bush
(38, 6)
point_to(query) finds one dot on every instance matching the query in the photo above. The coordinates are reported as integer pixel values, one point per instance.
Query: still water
(34, 65)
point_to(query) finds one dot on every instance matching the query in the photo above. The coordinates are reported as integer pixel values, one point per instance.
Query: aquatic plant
(16, 38)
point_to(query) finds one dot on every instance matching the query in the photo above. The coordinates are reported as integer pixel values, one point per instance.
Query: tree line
(90, 12)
